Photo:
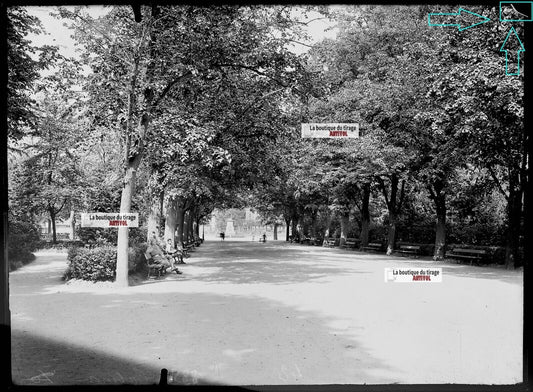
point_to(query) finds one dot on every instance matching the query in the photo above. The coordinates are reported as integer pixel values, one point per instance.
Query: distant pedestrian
(264, 237)
(222, 236)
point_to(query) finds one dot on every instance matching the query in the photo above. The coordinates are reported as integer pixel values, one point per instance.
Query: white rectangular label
(105, 219)
(330, 130)
(413, 275)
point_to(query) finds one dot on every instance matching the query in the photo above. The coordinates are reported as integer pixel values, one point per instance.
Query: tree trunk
(287, 227)
(440, 230)
(276, 231)
(197, 226)
(394, 204)
(181, 223)
(328, 224)
(161, 215)
(391, 238)
(294, 228)
(72, 226)
(303, 228)
(171, 222)
(345, 222)
(191, 224)
(121, 278)
(154, 217)
(313, 225)
(135, 137)
(187, 229)
(53, 220)
(365, 215)
(514, 213)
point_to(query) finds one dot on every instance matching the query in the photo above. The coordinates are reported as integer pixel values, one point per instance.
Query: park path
(248, 313)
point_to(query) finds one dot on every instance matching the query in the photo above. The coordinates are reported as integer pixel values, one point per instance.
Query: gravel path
(248, 313)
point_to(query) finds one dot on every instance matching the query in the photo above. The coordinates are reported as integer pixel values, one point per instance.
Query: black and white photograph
(265, 195)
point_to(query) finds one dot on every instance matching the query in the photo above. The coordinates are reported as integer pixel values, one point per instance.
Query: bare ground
(248, 313)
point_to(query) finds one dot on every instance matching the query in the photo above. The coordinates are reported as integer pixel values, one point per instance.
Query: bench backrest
(374, 245)
(410, 247)
(471, 251)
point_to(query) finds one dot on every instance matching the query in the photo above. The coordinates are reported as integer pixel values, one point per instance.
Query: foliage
(24, 64)
(22, 241)
(93, 264)
(99, 263)
(59, 245)
(100, 237)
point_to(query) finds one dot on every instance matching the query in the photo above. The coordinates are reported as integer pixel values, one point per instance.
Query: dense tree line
(174, 111)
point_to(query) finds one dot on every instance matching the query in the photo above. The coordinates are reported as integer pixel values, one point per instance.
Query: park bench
(189, 245)
(316, 241)
(476, 255)
(306, 240)
(178, 255)
(373, 246)
(409, 250)
(154, 268)
(351, 243)
(329, 242)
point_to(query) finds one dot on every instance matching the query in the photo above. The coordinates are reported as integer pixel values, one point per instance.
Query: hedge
(22, 241)
(99, 263)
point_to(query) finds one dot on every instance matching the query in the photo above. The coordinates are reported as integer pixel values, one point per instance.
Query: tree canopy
(175, 111)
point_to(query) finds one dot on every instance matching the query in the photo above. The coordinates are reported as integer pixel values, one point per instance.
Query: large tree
(25, 62)
(138, 65)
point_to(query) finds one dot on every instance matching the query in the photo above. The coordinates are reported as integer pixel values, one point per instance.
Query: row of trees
(178, 113)
(174, 111)
(442, 125)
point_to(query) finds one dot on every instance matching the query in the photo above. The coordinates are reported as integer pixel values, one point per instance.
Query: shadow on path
(68, 363)
(105, 336)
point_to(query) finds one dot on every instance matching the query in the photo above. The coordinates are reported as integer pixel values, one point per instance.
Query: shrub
(99, 263)
(137, 236)
(93, 264)
(96, 236)
(22, 241)
(59, 245)
(104, 236)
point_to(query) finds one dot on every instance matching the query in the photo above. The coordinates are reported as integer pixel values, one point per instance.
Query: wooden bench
(329, 243)
(306, 240)
(467, 254)
(189, 245)
(373, 246)
(351, 243)
(316, 241)
(155, 268)
(409, 250)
